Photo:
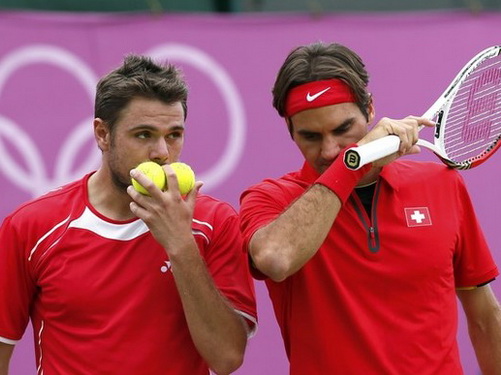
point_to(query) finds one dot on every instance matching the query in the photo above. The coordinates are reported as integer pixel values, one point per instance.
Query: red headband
(317, 94)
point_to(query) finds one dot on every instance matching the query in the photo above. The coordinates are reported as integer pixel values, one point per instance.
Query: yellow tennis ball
(185, 177)
(154, 172)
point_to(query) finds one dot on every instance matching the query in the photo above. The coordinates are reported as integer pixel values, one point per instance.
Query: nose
(159, 151)
(330, 148)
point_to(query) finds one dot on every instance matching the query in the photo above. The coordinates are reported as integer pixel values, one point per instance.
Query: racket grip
(357, 157)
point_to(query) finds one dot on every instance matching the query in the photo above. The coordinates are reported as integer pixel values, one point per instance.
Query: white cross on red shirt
(417, 216)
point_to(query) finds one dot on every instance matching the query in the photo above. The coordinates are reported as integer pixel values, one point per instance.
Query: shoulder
(410, 171)
(216, 220)
(288, 187)
(208, 207)
(53, 206)
(287, 181)
(37, 219)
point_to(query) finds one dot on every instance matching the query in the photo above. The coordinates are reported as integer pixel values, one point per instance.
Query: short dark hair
(138, 76)
(322, 61)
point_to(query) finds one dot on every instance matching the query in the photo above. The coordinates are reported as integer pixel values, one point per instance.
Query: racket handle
(356, 157)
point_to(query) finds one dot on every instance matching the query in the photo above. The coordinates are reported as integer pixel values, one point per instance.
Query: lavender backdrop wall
(49, 64)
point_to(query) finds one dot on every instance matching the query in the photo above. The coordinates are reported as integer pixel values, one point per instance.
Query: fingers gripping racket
(467, 117)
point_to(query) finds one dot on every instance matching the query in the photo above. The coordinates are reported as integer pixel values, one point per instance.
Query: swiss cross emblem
(417, 216)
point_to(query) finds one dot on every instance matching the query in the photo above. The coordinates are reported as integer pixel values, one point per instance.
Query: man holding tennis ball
(121, 276)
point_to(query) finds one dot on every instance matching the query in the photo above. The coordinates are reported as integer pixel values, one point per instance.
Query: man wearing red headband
(363, 267)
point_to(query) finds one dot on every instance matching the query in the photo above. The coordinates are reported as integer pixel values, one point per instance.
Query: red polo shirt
(379, 295)
(101, 294)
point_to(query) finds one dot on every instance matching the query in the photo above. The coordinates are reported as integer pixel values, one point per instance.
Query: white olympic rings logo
(36, 180)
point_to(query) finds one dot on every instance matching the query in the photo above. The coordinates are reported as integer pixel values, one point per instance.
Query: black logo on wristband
(352, 159)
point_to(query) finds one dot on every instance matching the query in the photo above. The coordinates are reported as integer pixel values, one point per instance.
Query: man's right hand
(406, 129)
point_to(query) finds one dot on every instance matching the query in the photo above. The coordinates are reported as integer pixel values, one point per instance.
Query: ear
(102, 134)
(288, 121)
(371, 112)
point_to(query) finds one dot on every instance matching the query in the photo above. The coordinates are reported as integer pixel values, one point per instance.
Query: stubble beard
(118, 179)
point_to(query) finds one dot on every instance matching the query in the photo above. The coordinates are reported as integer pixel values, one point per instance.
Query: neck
(107, 199)
(370, 177)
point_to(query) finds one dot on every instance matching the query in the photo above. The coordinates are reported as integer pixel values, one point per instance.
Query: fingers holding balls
(185, 177)
(184, 173)
(154, 172)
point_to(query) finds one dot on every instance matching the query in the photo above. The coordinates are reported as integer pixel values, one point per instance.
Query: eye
(311, 136)
(143, 135)
(344, 127)
(175, 135)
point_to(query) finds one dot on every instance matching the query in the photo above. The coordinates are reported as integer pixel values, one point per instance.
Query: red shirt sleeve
(16, 285)
(227, 263)
(263, 203)
(473, 262)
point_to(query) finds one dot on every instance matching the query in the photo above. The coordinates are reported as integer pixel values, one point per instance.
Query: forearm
(286, 244)
(486, 340)
(483, 314)
(4, 368)
(282, 247)
(5, 354)
(218, 332)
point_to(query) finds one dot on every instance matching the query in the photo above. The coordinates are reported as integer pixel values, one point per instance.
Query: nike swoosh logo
(311, 98)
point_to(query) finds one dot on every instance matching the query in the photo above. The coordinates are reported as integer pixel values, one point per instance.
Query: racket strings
(473, 121)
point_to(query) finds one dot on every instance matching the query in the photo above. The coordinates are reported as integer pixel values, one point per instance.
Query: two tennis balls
(155, 172)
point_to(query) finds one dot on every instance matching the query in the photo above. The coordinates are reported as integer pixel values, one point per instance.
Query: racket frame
(356, 157)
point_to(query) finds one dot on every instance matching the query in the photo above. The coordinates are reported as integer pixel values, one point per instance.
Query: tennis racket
(467, 117)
